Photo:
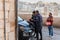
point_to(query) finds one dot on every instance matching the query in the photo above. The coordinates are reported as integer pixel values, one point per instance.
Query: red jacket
(50, 19)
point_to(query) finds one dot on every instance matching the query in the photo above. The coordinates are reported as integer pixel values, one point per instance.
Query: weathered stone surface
(1, 24)
(6, 0)
(1, 21)
(7, 20)
(12, 1)
(1, 0)
(1, 15)
(7, 6)
(7, 36)
(11, 16)
(12, 6)
(10, 19)
(2, 38)
(11, 36)
(7, 27)
(6, 14)
(1, 33)
(12, 29)
(1, 6)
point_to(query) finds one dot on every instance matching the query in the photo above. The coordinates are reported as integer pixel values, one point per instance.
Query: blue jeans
(50, 28)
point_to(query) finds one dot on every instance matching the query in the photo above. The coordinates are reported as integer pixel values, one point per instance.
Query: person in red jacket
(50, 24)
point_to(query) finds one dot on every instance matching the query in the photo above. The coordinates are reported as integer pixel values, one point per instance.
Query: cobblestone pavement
(46, 34)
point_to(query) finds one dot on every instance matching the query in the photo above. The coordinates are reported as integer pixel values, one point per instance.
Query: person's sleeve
(36, 19)
(31, 18)
(40, 19)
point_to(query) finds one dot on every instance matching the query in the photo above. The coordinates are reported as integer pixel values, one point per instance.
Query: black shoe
(40, 39)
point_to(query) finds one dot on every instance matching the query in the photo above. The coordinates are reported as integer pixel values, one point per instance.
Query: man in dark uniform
(37, 20)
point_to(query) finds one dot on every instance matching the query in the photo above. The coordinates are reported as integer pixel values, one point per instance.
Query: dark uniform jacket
(37, 20)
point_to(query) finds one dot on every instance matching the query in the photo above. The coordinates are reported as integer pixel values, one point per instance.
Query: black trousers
(20, 35)
(37, 33)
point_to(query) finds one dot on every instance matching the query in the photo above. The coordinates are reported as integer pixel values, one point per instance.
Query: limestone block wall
(1, 21)
(10, 19)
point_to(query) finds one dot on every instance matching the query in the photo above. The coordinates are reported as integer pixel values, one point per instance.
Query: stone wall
(10, 19)
(1, 21)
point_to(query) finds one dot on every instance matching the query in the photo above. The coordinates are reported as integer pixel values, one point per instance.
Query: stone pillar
(10, 19)
(1, 21)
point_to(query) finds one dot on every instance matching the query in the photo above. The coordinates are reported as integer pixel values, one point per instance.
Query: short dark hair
(37, 11)
(33, 12)
(50, 13)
